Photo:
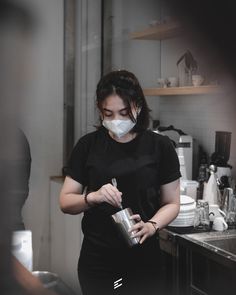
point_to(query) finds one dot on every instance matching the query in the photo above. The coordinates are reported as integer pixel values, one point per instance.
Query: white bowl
(182, 223)
(187, 208)
(186, 200)
(186, 215)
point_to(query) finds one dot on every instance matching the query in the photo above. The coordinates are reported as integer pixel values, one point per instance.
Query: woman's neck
(126, 138)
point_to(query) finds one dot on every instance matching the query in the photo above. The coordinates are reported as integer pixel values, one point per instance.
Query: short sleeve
(76, 166)
(170, 168)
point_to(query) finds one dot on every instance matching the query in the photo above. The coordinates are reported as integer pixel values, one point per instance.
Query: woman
(146, 168)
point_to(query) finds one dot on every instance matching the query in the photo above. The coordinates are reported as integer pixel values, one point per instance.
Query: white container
(186, 214)
(22, 248)
(189, 188)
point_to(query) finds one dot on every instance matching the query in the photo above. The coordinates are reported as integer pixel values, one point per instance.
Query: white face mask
(119, 127)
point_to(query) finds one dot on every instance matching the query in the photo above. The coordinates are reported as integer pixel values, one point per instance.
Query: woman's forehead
(114, 102)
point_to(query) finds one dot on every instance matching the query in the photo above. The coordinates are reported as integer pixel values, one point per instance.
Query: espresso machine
(221, 155)
(183, 144)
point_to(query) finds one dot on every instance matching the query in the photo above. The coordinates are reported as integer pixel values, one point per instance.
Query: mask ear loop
(137, 113)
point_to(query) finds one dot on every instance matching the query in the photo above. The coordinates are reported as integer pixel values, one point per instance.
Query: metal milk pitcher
(123, 222)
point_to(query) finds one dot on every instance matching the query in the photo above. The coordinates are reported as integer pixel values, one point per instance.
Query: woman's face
(113, 108)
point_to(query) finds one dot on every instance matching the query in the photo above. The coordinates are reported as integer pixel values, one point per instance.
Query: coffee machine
(184, 151)
(183, 144)
(221, 155)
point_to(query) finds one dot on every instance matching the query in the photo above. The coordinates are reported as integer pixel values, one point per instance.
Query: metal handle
(114, 183)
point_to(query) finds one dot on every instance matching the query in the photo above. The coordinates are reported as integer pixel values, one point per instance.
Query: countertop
(196, 240)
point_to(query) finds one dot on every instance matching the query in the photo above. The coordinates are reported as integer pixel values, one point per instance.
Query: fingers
(139, 233)
(144, 237)
(108, 198)
(136, 226)
(114, 189)
(140, 229)
(136, 217)
(112, 194)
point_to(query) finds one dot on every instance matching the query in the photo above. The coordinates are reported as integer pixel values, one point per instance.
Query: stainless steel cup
(123, 222)
(229, 205)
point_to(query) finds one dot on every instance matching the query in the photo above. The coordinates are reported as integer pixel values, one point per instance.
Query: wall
(88, 64)
(198, 115)
(140, 57)
(43, 119)
(66, 240)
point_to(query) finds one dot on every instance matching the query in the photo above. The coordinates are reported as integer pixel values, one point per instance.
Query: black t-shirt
(140, 167)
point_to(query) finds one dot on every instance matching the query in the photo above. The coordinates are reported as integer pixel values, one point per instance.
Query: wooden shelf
(162, 31)
(186, 90)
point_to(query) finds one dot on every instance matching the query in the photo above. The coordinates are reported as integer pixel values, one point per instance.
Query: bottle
(202, 176)
(211, 193)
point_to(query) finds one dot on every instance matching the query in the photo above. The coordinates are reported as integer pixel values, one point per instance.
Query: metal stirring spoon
(114, 183)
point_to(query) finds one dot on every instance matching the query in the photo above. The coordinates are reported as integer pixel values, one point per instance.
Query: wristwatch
(154, 225)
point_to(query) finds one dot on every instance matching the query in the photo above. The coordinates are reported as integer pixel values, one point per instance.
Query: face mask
(119, 127)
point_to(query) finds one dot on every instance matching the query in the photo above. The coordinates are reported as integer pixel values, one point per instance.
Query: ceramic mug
(154, 23)
(215, 211)
(172, 81)
(162, 82)
(219, 224)
(197, 80)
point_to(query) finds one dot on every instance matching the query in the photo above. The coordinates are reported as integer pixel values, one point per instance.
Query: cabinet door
(222, 280)
(210, 277)
(199, 272)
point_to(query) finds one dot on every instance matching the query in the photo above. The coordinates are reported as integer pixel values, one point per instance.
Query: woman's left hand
(141, 229)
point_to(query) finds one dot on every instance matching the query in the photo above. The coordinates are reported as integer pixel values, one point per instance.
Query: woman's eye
(124, 114)
(108, 115)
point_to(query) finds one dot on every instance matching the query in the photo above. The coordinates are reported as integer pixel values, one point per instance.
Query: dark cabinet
(207, 276)
(192, 271)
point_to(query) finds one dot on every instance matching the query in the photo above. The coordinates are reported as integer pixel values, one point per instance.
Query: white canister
(22, 248)
(189, 188)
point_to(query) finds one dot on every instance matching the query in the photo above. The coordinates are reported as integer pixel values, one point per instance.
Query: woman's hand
(107, 193)
(141, 229)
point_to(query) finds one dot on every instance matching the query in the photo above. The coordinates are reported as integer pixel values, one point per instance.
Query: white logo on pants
(118, 283)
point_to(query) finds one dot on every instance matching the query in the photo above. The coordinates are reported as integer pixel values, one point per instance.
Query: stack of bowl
(185, 217)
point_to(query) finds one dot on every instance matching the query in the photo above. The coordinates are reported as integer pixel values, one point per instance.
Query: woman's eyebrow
(104, 109)
(124, 109)
(107, 110)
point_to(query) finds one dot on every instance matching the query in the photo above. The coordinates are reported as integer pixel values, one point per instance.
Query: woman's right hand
(107, 193)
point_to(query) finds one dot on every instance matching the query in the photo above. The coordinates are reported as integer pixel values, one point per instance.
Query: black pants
(138, 270)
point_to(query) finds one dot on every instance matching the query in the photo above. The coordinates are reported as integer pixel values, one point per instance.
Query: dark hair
(127, 87)
(16, 14)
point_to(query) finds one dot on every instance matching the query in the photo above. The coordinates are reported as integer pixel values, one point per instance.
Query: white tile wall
(201, 116)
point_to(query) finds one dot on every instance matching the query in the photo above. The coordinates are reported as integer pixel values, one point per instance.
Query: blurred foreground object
(16, 26)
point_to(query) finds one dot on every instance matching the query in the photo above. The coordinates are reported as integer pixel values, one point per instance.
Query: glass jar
(201, 218)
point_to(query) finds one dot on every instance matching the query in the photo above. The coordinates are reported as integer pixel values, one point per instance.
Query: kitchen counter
(199, 262)
(199, 241)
